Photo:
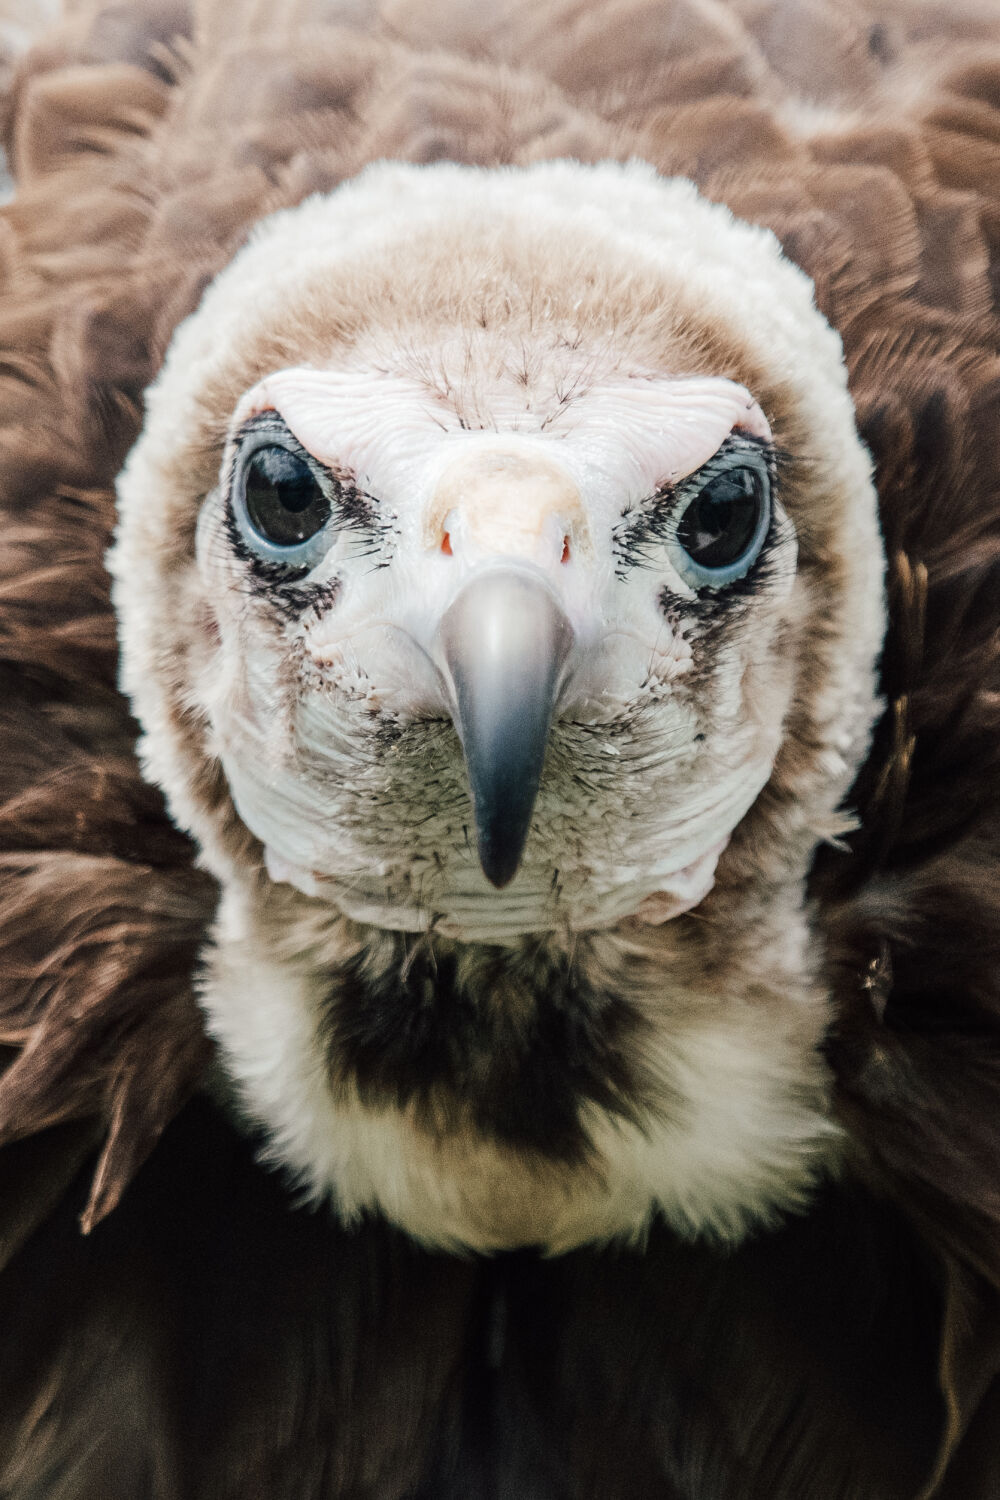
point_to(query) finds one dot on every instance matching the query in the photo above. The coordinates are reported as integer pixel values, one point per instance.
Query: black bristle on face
(294, 601)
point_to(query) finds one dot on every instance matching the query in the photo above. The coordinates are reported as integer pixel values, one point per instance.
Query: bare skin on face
(550, 500)
(502, 502)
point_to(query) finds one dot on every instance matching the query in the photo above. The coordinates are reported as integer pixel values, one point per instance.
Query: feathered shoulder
(148, 138)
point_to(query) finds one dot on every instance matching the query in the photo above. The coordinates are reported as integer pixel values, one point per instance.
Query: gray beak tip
(502, 818)
(500, 866)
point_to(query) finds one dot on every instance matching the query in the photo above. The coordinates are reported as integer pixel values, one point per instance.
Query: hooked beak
(505, 642)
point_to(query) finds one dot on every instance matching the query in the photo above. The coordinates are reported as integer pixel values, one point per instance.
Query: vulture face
(499, 581)
(452, 545)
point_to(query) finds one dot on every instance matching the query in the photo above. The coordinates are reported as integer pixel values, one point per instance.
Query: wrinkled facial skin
(327, 691)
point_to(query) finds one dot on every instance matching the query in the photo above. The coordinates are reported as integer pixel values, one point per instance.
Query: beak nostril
(446, 544)
(565, 550)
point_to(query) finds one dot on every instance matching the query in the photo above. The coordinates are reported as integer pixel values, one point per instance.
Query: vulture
(500, 776)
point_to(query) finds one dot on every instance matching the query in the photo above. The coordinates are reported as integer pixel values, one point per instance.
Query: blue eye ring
(280, 503)
(723, 517)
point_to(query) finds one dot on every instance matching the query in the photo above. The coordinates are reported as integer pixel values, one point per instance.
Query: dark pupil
(719, 524)
(284, 501)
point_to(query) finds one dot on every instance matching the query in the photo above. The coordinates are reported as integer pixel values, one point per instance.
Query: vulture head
(500, 587)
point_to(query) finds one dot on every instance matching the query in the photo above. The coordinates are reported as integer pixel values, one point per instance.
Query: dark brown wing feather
(207, 1341)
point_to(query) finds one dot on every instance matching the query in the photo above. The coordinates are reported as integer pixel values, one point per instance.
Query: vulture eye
(280, 506)
(283, 499)
(723, 526)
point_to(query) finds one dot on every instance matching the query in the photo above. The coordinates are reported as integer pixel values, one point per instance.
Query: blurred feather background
(20, 22)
